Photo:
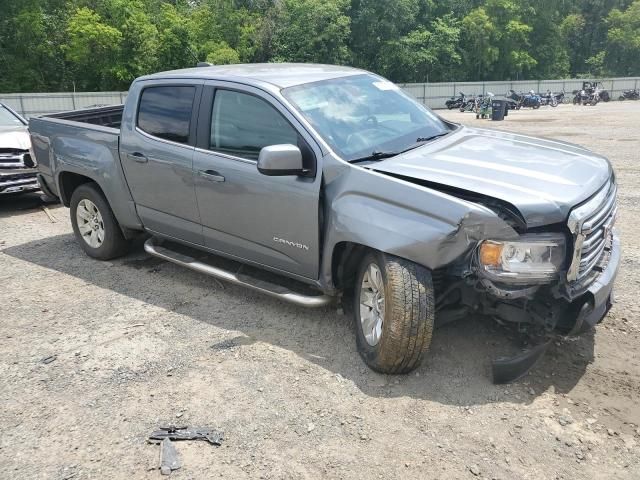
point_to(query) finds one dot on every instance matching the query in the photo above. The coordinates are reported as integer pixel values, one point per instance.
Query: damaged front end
(17, 164)
(545, 283)
(17, 171)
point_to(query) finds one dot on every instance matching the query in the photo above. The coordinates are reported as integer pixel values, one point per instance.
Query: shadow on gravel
(15, 204)
(456, 370)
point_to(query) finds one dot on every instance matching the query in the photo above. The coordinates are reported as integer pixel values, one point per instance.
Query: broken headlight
(533, 258)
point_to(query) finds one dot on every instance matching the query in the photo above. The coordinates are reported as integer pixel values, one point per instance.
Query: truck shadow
(15, 204)
(456, 370)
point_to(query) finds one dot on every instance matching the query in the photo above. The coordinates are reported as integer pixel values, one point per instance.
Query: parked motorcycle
(456, 102)
(469, 104)
(633, 94)
(549, 99)
(591, 94)
(530, 99)
(586, 97)
(602, 93)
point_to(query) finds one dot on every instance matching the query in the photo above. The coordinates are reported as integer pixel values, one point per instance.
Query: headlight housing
(533, 258)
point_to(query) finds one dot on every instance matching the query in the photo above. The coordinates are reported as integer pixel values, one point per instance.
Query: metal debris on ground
(49, 359)
(169, 459)
(188, 433)
(49, 214)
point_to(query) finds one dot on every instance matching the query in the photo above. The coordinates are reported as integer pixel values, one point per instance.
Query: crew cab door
(271, 221)
(157, 144)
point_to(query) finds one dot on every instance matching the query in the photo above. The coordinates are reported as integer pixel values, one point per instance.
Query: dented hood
(543, 179)
(15, 138)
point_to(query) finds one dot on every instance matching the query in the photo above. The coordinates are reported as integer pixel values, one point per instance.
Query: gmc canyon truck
(317, 183)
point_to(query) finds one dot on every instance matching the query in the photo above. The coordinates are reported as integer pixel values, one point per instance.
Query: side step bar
(153, 247)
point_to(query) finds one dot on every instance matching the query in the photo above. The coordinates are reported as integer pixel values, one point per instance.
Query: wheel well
(68, 182)
(345, 262)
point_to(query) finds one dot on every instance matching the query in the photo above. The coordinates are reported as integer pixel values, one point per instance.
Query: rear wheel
(394, 313)
(94, 224)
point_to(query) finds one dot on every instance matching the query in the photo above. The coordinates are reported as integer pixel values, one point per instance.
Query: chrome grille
(15, 159)
(591, 225)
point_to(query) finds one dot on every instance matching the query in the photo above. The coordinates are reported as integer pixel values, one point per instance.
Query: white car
(17, 166)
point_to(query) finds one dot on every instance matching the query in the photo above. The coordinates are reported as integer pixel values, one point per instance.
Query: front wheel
(393, 312)
(94, 224)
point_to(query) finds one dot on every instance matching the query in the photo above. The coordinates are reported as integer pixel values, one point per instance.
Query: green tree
(98, 44)
(375, 24)
(176, 49)
(140, 40)
(480, 51)
(622, 51)
(424, 54)
(572, 29)
(93, 48)
(312, 31)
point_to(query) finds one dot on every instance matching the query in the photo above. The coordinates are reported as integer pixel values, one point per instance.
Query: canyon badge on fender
(289, 243)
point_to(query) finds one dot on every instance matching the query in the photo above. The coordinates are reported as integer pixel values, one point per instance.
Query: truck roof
(281, 75)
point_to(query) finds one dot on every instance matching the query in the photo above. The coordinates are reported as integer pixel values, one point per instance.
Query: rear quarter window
(165, 112)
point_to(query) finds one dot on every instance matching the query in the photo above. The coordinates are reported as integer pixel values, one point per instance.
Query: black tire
(622, 99)
(114, 244)
(408, 317)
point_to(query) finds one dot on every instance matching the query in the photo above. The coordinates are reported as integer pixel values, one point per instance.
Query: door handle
(211, 175)
(137, 157)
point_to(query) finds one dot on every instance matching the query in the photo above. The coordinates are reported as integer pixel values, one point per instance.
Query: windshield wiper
(382, 155)
(422, 140)
(375, 156)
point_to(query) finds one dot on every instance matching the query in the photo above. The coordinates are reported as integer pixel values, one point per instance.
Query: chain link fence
(432, 95)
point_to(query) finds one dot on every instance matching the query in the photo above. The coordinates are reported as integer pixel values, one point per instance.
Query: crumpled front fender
(410, 221)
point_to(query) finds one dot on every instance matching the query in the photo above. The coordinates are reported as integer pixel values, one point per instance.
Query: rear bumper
(18, 180)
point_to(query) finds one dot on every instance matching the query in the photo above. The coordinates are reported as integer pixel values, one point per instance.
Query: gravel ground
(97, 355)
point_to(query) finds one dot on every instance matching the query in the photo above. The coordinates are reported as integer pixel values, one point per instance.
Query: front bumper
(564, 308)
(19, 180)
(576, 318)
(597, 301)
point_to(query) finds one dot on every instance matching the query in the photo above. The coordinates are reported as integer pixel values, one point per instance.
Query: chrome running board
(153, 247)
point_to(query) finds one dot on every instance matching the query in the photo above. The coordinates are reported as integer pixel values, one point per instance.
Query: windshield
(363, 115)
(8, 119)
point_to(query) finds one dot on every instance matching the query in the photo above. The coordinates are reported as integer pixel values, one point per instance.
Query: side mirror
(280, 161)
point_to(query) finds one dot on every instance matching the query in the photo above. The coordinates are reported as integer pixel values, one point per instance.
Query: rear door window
(243, 124)
(165, 112)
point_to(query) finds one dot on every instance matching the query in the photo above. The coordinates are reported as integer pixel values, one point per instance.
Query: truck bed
(108, 116)
(80, 144)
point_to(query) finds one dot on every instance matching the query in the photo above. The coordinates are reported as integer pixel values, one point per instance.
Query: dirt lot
(96, 355)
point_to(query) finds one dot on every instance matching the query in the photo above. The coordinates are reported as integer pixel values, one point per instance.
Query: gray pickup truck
(317, 183)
